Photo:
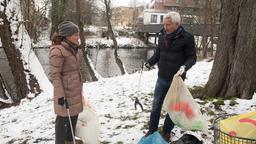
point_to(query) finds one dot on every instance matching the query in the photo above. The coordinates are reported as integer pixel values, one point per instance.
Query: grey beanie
(67, 28)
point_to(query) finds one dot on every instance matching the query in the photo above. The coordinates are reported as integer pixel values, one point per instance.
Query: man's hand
(181, 70)
(147, 66)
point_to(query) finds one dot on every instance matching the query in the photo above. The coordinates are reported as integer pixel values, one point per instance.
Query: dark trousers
(62, 129)
(161, 89)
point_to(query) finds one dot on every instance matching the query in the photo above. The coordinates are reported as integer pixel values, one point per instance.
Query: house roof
(156, 10)
(175, 3)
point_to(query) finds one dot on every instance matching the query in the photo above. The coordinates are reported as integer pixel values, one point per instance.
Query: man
(175, 53)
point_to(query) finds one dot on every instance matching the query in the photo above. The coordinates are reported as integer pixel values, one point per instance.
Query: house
(194, 15)
(174, 5)
(158, 8)
(153, 16)
(125, 16)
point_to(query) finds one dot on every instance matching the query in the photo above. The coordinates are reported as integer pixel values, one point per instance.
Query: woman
(66, 80)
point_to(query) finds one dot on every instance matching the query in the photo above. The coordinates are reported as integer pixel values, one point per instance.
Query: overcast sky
(127, 2)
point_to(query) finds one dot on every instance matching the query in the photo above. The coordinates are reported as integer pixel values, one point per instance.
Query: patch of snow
(113, 99)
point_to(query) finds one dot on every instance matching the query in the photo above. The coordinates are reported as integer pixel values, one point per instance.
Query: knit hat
(67, 28)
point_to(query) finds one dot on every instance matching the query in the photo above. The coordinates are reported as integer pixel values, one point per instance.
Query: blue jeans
(161, 88)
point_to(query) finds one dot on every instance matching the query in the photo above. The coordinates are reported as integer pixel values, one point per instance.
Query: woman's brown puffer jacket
(66, 79)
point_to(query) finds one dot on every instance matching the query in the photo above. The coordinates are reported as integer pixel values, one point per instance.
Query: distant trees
(208, 15)
(58, 9)
(34, 18)
(135, 4)
(205, 13)
(234, 65)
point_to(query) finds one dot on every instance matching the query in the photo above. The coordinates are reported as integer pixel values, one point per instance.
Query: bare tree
(82, 38)
(5, 97)
(110, 30)
(57, 12)
(13, 54)
(16, 53)
(204, 13)
(89, 11)
(33, 17)
(210, 15)
(135, 5)
(234, 65)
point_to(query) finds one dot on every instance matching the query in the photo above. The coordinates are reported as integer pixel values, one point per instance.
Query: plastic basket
(221, 137)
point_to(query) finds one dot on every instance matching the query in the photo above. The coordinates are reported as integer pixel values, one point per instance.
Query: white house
(153, 16)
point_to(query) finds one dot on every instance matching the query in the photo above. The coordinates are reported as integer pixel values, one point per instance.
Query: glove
(181, 70)
(147, 66)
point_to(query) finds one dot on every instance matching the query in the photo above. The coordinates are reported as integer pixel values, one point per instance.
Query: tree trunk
(234, 66)
(2, 89)
(82, 38)
(14, 58)
(57, 11)
(118, 60)
(5, 99)
(29, 15)
(204, 46)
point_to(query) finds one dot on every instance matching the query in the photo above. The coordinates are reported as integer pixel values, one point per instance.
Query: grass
(211, 113)
(128, 126)
(233, 101)
(105, 142)
(145, 126)
(218, 103)
(196, 91)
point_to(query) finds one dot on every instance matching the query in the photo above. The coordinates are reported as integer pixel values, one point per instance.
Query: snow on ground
(123, 42)
(94, 41)
(113, 99)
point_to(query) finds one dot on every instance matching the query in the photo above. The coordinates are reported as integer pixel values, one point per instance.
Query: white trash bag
(87, 127)
(182, 108)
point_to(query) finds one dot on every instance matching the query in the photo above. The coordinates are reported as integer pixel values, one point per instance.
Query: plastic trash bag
(187, 139)
(182, 108)
(154, 138)
(87, 127)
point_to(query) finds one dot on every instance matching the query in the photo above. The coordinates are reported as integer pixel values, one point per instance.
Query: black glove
(147, 66)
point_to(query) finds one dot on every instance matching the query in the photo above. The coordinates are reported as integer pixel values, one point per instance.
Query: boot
(69, 142)
(167, 137)
(148, 133)
(77, 142)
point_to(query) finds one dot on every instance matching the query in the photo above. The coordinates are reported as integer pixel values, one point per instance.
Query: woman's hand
(85, 102)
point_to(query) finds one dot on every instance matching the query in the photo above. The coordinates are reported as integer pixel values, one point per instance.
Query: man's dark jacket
(174, 50)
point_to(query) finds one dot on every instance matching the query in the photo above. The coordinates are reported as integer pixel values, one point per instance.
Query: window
(161, 18)
(153, 18)
(177, 1)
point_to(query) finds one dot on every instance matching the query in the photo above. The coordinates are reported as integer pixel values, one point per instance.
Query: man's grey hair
(173, 16)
